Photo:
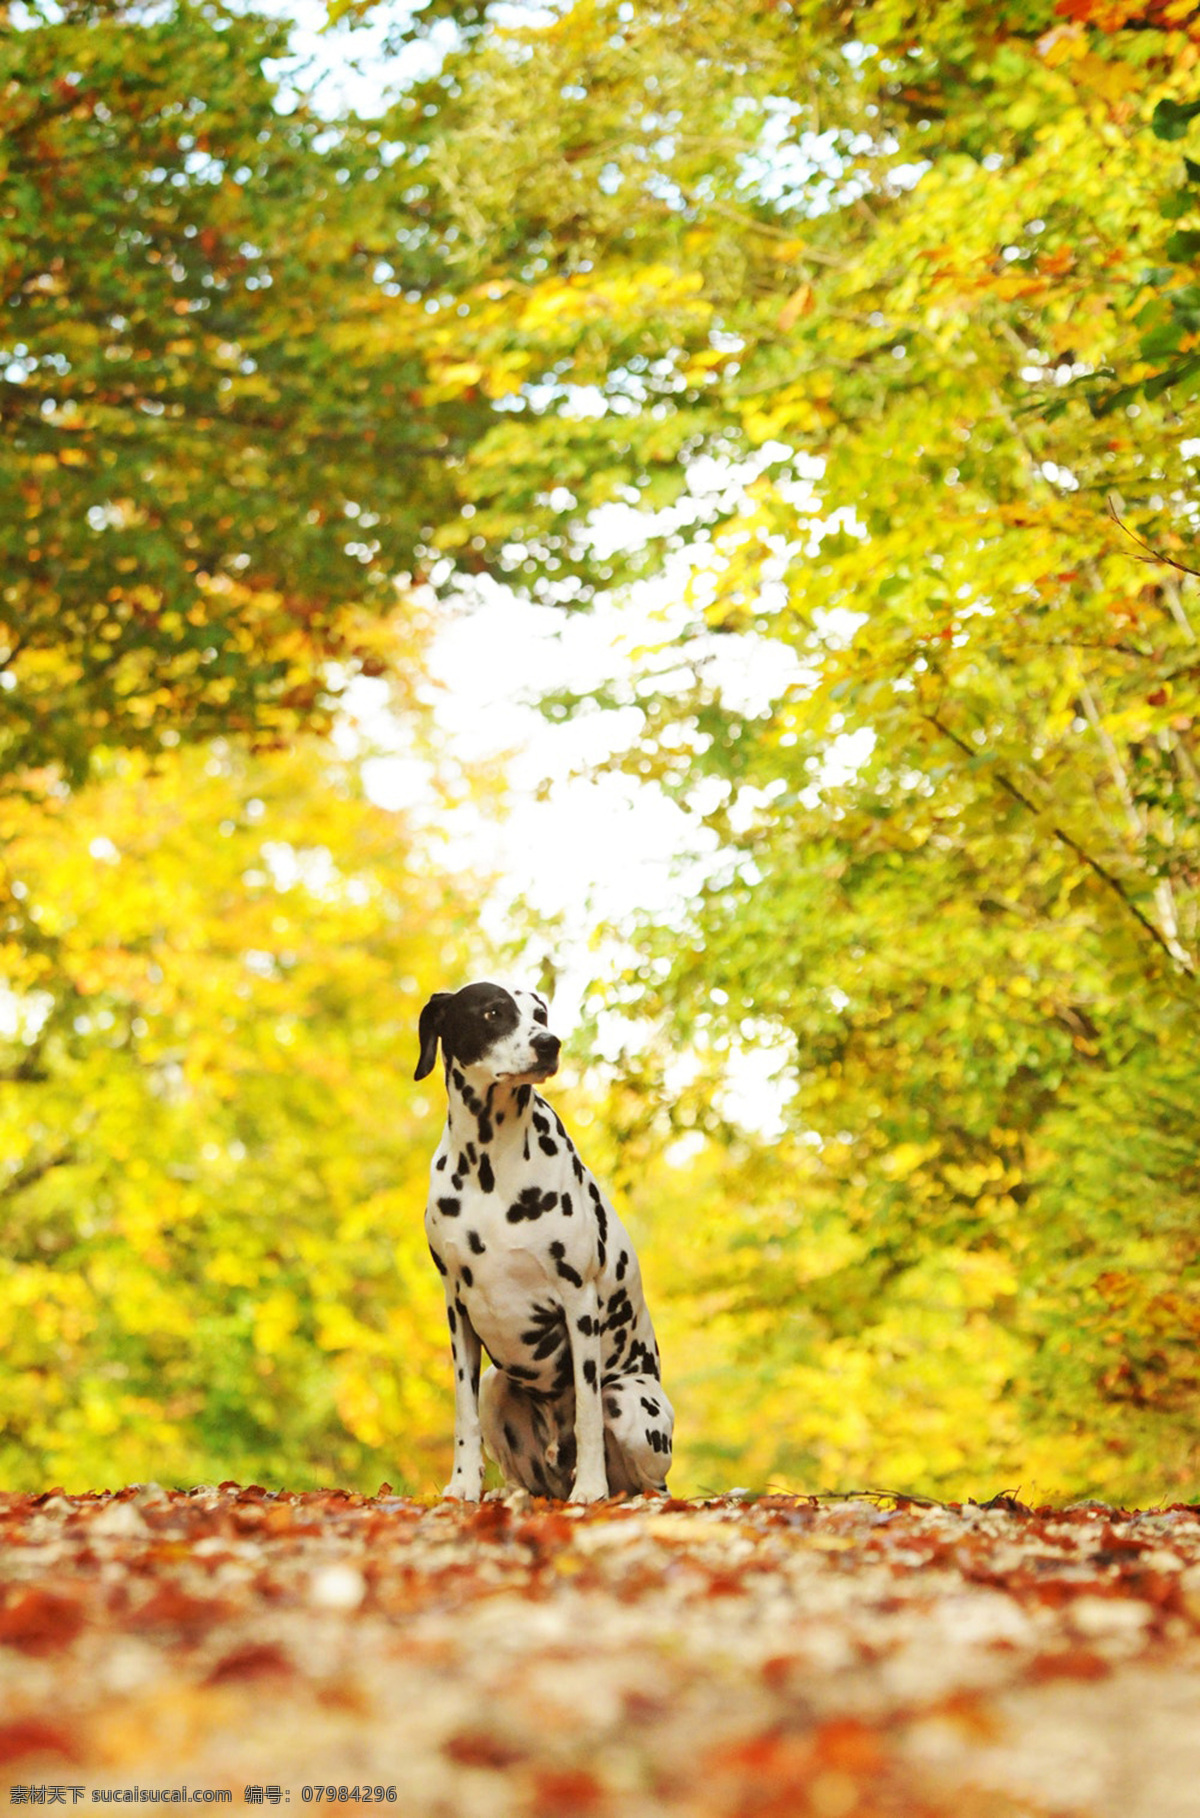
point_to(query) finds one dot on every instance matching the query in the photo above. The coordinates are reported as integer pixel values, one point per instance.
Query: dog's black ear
(429, 1029)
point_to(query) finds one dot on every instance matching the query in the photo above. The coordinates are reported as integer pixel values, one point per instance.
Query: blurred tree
(884, 256)
(219, 445)
(213, 1160)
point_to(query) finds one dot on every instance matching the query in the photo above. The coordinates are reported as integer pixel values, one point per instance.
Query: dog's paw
(589, 1489)
(459, 1489)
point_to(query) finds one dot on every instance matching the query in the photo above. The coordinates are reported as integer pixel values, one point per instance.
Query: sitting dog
(538, 1270)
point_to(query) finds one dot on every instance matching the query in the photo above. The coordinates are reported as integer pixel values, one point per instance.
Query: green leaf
(1174, 375)
(1184, 245)
(1170, 118)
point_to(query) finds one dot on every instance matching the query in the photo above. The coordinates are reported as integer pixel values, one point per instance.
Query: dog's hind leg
(531, 1440)
(638, 1423)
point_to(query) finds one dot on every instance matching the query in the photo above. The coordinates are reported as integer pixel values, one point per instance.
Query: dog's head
(500, 1033)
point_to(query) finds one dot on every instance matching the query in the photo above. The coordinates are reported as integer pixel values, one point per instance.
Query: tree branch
(33, 1172)
(1152, 554)
(1102, 872)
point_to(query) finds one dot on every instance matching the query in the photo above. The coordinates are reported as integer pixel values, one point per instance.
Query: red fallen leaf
(771, 1775)
(30, 1737)
(39, 1621)
(170, 1607)
(1111, 1546)
(489, 1518)
(725, 1584)
(1007, 1502)
(848, 1744)
(558, 1792)
(970, 1712)
(644, 1707)
(478, 1748)
(545, 1533)
(761, 1754)
(256, 1660)
(1069, 1663)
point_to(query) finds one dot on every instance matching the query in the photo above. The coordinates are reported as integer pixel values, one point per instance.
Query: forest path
(781, 1657)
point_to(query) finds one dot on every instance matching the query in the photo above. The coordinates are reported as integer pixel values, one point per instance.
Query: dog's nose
(546, 1046)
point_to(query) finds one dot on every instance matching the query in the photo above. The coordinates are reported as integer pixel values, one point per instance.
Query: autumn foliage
(776, 1656)
(881, 326)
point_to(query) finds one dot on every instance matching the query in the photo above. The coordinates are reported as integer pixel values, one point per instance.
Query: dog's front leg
(466, 1479)
(591, 1474)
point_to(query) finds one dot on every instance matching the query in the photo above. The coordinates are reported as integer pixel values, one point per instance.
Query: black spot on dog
(510, 1438)
(524, 1094)
(467, 1276)
(487, 1180)
(578, 1166)
(558, 1252)
(585, 1324)
(622, 1265)
(438, 1264)
(530, 1203)
(601, 1223)
(459, 1081)
(450, 1319)
(463, 1166)
(450, 1208)
(520, 1374)
(440, 1163)
(567, 1205)
(476, 1242)
(612, 1406)
(620, 1311)
(589, 1371)
(540, 1124)
(547, 1332)
(546, 1146)
(651, 1407)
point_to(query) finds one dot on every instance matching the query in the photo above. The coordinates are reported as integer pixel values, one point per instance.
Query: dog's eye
(490, 1014)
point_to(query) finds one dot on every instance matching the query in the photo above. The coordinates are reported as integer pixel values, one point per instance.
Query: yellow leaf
(800, 303)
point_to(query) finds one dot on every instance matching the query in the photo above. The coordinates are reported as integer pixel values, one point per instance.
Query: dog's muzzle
(546, 1050)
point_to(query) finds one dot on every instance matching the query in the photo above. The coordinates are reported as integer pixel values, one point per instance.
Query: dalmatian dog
(538, 1271)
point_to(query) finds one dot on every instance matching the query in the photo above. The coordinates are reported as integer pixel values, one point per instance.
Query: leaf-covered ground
(780, 1657)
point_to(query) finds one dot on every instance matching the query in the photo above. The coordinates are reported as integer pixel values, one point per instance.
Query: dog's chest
(493, 1201)
(508, 1278)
